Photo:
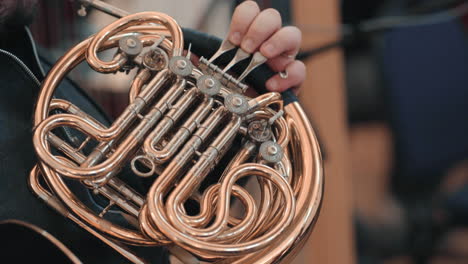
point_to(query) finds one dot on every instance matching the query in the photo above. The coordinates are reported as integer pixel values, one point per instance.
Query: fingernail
(268, 49)
(248, 45)
(235, 38)
(272, 85)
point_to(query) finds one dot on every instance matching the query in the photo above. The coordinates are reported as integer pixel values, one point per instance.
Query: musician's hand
(254, 30)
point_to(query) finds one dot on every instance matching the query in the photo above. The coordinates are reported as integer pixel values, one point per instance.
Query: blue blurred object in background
(426, 73)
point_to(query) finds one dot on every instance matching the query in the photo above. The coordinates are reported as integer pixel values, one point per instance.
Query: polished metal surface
(183, 122)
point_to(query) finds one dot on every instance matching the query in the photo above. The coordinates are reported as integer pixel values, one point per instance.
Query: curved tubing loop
(123, 23)
(308, 168)
(103, 133)
(264, 100)
(210, 249)
(43, 108)
(307, 174)
(76, 55)
(87, 126)
(163, 154)
(128, 236)
(71, 59)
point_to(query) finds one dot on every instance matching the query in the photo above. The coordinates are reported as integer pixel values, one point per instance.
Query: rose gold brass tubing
(115, 183)
(194, 177)
(87, 126)
(244, 153)
(126, 191)
(263, 100)
(176, 112)
(173, 205)
(57, 73)
(241, 157)
(181, 134)
(118, 199)
(208, 203)
(148, 29)
(167, 178)
(77, 55)
(128, 236)
(126, 22)
(72, 58)
(149, 229)
(143, 76)
(53, 202)
(184, 132)
(306, 153)
(138, 82)
(207, 248)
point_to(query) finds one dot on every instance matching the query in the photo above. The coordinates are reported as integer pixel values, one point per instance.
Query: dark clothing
(19, 89)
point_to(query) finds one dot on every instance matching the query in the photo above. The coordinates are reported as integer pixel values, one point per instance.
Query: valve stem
(106, 209)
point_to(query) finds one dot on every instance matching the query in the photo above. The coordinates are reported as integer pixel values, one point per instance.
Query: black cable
(348, 33)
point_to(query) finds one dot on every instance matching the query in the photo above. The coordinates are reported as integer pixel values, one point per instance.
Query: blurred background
(387, 92)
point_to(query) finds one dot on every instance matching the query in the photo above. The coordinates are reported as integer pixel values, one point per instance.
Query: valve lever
(257, 60)
(106, 209)
(240, 56)
(275, 117)
(189, 51)
(158, 42)
(225, 47)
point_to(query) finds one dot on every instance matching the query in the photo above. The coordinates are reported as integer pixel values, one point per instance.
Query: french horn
(183, 123)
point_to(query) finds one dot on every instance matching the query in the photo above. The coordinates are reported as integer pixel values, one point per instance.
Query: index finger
(243, 16)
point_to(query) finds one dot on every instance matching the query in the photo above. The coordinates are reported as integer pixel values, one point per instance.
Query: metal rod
(105, 7)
